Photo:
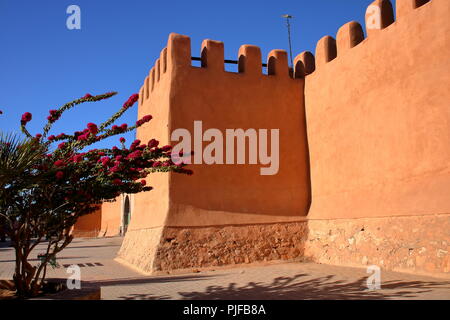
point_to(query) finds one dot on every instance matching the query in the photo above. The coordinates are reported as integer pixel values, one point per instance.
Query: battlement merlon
(176, 58)
(250, 60)
(379, 15)
(155, 75)
(349, 36)
(304, 64)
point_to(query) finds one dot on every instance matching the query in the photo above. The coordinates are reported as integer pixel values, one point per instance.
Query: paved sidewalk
(271, 281)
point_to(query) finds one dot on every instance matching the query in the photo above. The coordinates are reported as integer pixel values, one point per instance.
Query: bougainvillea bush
(48, 181)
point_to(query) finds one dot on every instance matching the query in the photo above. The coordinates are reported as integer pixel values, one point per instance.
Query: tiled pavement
(271, 281)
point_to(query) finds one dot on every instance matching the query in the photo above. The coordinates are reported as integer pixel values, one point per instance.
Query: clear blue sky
(43, 64)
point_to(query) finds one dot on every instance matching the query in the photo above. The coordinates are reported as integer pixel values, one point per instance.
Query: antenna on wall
(288, 24)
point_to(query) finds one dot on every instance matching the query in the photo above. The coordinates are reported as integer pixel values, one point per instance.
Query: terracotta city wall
(107, 221)
(255, 216)
(364, 170)
(378, 118)
(88, 226)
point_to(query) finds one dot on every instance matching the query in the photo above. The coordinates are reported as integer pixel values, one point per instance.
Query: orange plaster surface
(88, 225)
(378, 121)
(225, 194)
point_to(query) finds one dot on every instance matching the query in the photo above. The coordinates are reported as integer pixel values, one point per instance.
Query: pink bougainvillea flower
(122, 139)
(83, 137)
(87, 96)
(134, 144)
(153, 143)
(61, 145)
(104, 161)
(143, 182)
(124, 127)
(147, 118)
(59, 163)
(166, 148)
(53, 116)
(26, 117)
(117, 182)
(114, 169)
(59, 175)
(78, 158)
(131, 100)
(157, 164)
(136, 154)
(92, 128)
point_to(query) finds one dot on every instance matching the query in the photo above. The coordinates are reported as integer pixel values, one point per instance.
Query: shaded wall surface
(111, 218)
(104, 222)
(88, 225)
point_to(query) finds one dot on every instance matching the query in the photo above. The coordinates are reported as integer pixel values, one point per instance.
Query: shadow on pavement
(97, 246)
(298, 288)
(58, 258)
(146, 280)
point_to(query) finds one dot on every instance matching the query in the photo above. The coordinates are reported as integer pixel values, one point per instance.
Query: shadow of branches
(303, 287)
(320, 288)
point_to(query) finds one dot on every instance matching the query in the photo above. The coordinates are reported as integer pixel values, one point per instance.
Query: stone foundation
(139, 248)
(180, 248)
(414, 244)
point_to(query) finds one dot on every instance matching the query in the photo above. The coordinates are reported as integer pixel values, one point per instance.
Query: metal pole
(288, 24)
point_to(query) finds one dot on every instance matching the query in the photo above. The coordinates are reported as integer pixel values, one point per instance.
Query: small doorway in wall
(126, 215)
